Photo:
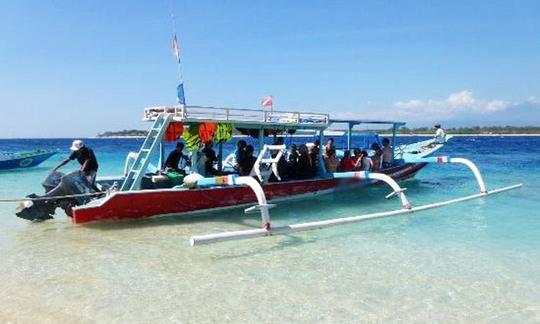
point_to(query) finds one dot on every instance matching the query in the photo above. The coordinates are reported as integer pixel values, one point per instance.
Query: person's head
(279, 141)
(76, 145)
(241, 144)
(249, 150)
(179, 146)
(330, 142)
(357, 152)
(317, 143)
(375, 147)
(208, 145)
(437, 126)
(293, 148)
(385, 142)
(346, 154)
(364, 153)
(303, 149)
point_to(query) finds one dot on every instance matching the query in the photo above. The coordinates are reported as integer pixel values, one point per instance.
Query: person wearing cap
(86, 158)
(440, 136)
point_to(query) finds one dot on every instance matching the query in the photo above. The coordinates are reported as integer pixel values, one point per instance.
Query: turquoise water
(477, 261)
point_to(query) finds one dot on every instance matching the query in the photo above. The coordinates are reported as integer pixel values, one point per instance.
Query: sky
(78, 68)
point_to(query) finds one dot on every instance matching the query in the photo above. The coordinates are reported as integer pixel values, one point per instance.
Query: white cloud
(456, 103)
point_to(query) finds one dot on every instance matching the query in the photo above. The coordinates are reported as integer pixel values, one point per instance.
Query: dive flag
(180, 94)
(267, 101)
(176, 50)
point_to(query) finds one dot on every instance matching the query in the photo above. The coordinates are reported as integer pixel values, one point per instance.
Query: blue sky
(73, 69)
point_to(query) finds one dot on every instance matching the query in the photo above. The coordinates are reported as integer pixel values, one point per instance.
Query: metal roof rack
(245, 117)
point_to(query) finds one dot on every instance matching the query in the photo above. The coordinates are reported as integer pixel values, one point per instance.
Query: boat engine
(56, 185)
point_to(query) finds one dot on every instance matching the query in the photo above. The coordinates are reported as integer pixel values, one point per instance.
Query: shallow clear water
(477, 261)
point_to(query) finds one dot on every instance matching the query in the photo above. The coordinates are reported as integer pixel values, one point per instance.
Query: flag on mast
(180, 89)
(175, 48)
(180, 94)
(267, 101)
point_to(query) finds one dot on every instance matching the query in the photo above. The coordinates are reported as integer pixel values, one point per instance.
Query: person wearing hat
(440, 136)
(86, 158)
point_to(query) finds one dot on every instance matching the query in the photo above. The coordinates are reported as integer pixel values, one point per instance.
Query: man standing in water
(86, 158)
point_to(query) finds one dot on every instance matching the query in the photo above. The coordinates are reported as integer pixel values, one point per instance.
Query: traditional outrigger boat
(23, 159)
(129, 196)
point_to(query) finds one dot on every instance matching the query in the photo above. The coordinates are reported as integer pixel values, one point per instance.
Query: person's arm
(358, 163)
(84, 166)
(66, 161)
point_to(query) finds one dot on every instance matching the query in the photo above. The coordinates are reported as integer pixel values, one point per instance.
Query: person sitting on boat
(387, 155)
(246, 164)
(377, 156)
(314, 153)
(86, 158)
(305, 168)
(293, 161)
(362, 162)
(331, 162)
(175, 157)
(210, 158)
(440, 135)
(329, 147)
(239, 153)
(357, 159)
(346, 164)
(367, 162)
(293, 154)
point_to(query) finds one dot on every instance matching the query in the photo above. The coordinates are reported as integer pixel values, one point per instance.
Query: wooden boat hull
(15, 161)
(151, 203)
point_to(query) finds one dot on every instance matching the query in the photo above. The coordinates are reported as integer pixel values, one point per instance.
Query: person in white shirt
(440, 135)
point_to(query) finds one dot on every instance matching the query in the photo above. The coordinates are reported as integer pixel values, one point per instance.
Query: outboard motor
(57, 184)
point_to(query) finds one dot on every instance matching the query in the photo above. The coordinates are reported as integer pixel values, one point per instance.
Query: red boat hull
(150, 203)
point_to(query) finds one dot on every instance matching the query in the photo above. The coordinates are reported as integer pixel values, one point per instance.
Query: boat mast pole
(349, 135)
(176, 52)
(322, 167)
(394, 128)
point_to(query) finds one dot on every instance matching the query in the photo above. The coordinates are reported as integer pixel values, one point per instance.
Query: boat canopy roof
(353, 122)
(246, 118)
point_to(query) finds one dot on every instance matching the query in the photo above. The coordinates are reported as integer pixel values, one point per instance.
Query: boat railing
(238, 116)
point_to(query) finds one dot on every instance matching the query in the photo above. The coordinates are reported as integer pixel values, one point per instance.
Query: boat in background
(17, 160)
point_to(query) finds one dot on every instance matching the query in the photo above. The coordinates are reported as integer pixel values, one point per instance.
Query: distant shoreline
(381, 134)
(465, 135)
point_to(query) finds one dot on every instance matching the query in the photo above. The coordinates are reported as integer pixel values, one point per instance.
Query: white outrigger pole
(267, 229)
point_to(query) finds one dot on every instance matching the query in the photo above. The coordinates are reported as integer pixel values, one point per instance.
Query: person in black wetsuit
(86, 158)
(246, 164)
(305, 168)
(210, 159)
(174, 158)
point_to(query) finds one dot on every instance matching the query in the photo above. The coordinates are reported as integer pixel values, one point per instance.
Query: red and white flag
(267, 101)
(176, 50)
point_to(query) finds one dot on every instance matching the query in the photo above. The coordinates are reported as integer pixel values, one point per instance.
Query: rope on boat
(53, 197)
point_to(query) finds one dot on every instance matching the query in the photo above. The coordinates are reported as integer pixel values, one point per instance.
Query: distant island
(475, 130)
(123, 133)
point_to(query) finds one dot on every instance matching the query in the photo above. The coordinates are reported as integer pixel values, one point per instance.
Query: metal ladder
(272, 161)
(151, 143)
